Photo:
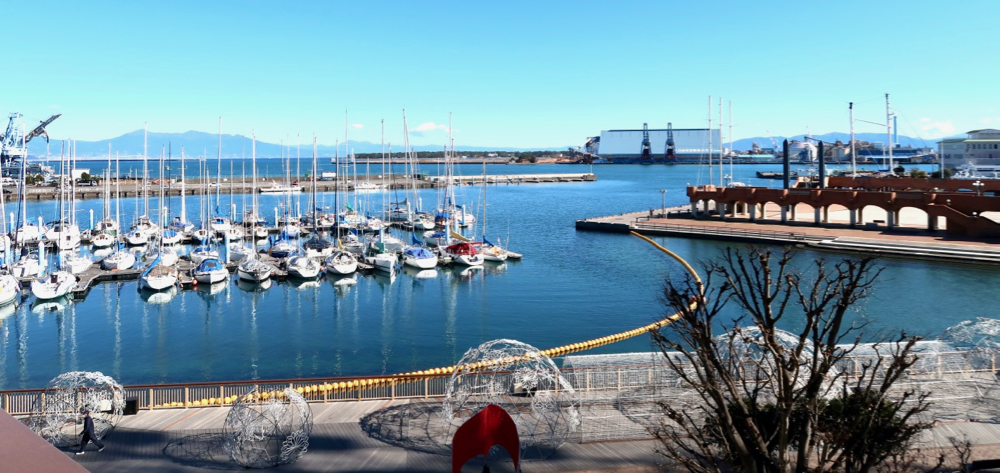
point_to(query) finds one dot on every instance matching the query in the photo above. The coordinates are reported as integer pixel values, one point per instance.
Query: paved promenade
(344, 438)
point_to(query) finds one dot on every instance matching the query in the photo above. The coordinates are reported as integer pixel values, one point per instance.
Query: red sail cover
(491, 426)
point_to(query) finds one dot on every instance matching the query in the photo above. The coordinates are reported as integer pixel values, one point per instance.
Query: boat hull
(210, 277)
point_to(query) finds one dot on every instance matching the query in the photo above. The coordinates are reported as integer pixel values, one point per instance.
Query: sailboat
(489, 251)
(210, 271)
(254, 270)
(10, 288)
(203, 251)
(419, 257)
(143, 228)
(52, 286)
(64, 232)
(119, 259)
(341, 262)
(316, 247)
(303, 267)
(106, 231)
(158, 252)
(181, 223)
(159, 276)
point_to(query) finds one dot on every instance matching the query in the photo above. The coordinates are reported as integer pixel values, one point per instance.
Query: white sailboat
(159, 276)
(341, 262)
(10, 288)
(210, 271)
(303, 267)
(53, 286)
(254, 270)
(420, 258)
(105, 232)
(119, 259)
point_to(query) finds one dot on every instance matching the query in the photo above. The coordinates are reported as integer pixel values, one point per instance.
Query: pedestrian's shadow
(202, 451)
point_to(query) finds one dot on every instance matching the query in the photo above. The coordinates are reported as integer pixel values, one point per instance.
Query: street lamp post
(663, 203)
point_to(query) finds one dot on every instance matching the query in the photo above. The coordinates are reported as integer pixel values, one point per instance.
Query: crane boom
(40, 129)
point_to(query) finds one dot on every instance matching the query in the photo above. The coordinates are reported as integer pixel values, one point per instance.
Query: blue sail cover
(418, 253)
(488, 243)
(210, 264)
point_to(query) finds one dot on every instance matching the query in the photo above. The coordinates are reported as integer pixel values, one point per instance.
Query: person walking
(88, 434)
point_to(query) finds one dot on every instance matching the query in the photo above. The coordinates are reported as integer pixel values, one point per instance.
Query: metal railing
(710, 230)
(584, 380)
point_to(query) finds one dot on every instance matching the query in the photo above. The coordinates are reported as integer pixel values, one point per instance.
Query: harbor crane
(13, 145)
(668, 156)
(646, 154)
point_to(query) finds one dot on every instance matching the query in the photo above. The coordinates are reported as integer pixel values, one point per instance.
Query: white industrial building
(980, 147)
(690, 144)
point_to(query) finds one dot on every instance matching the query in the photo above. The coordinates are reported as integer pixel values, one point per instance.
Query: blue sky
(523, 74)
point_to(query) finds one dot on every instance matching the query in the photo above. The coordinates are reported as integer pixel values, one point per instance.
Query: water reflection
(209, 291)
(417, 273)
(42, 307)
(7, 311)
(384, 279)
(250, 286)
(304, 284)
(159, 297)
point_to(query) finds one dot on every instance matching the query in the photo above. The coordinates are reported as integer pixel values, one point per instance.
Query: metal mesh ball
(57, 413)
(265, 429)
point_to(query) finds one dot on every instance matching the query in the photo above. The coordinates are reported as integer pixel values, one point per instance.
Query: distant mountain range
(197, 143)
(765, 142)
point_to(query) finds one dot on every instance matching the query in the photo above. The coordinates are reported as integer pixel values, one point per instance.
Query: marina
(382, 323)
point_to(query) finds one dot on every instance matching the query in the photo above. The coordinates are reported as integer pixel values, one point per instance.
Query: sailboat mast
(731, 148)
(314, 205)
(218, 172)
(183, 193)
(722, 181)
(888, 130)
(253, 185)
(145, 170)
(854, 165)
(710, 181)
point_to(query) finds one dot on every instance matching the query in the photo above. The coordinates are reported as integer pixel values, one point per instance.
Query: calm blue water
(571, 286)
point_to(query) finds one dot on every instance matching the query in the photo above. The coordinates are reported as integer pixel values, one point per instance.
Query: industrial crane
(669, 157)
(646, 155)
(13, 145)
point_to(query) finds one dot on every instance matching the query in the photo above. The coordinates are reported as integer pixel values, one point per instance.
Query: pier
(910, 242)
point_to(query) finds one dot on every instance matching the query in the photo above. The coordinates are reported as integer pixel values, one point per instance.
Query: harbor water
(570, 286)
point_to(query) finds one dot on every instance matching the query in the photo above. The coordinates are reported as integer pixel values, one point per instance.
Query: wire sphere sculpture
(749, 357)
(264, 430)
(981, 333)
(57, 413)
(524, 382)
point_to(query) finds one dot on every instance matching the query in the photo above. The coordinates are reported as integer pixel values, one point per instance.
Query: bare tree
(780, 387)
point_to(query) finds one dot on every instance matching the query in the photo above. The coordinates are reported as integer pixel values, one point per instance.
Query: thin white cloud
(986, 120)
(357, 126)
(937, 129)
(430, 126)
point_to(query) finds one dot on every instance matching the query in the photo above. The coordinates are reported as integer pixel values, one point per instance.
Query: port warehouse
(690, 144)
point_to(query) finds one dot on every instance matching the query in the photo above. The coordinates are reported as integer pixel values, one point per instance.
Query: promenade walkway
(190, 440)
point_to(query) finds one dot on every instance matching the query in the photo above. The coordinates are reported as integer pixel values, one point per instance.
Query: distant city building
(690, 144)
(980, 147)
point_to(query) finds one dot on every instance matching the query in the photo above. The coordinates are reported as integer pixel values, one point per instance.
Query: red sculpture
(490, 426)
